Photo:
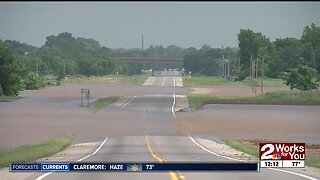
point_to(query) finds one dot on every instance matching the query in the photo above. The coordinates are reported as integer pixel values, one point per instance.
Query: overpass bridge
(148, 59)
(160, 62)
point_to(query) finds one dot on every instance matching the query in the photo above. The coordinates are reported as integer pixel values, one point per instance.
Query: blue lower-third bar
(200, 167)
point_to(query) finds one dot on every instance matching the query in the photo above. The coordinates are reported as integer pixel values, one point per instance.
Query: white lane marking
(149, 81)
(294, 173)
(211, 151)
(128, 101)
(163, 81)
(44, 175)
(153, 79)
(48, 173)
(281, 170)
(105, 140)
(173, 104)
(174, 81)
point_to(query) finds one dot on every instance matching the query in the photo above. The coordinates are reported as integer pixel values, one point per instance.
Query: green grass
(313, 162)
(254, 150)
(50, 80)
(210, 81)
(246, 148)
(90, 79)
(134, 79)
(34, 151)
(269, 82)
(219, 81)
(289, 97)
(104, 102)
(9, 98)
(196, 101)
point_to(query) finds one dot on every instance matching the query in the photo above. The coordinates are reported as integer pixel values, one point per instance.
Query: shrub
(303, 78)
(33, 81)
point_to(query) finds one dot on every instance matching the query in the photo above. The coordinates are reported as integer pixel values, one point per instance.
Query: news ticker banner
(282, 155)
(130, 167)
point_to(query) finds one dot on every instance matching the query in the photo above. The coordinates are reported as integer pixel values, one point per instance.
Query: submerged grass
(104, 102)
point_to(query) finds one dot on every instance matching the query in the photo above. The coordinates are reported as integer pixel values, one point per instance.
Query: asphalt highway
(156, 146)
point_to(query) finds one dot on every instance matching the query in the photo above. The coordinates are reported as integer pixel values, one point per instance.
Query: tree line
(23, 66)
(274, 58)
(258, 56)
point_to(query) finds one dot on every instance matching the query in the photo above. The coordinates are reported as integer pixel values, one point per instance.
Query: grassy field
(9, 98)
(242, 146)
(91, 79)
(269, 82)
(211, 81)
(103, 102)
(219, 81)
(313, 162)
(134, 79)
(253, 150)
(196, 101)
(34, 151)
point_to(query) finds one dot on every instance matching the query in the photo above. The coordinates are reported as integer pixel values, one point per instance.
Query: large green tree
(20, 48)
(10, 83)
(250, 44)
(286, 54)
(205, 61)
(311, 46)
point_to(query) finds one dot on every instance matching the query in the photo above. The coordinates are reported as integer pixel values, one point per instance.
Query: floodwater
(273, 122)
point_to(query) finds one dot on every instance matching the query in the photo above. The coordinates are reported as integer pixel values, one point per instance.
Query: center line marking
(173, 175)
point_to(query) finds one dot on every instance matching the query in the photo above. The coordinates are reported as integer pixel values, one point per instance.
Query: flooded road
(273, 122)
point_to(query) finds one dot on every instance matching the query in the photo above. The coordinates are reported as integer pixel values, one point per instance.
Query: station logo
(282, 154)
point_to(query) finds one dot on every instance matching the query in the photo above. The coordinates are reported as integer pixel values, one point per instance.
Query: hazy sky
(184, 24)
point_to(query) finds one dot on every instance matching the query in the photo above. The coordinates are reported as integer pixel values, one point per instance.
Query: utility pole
(255, 81)
(228, 65)
(37, 66)
(226, 68)
(251, 71)
(223, 61)
(223, 69)
(142, 43)
(64, 68)
(262, 74)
